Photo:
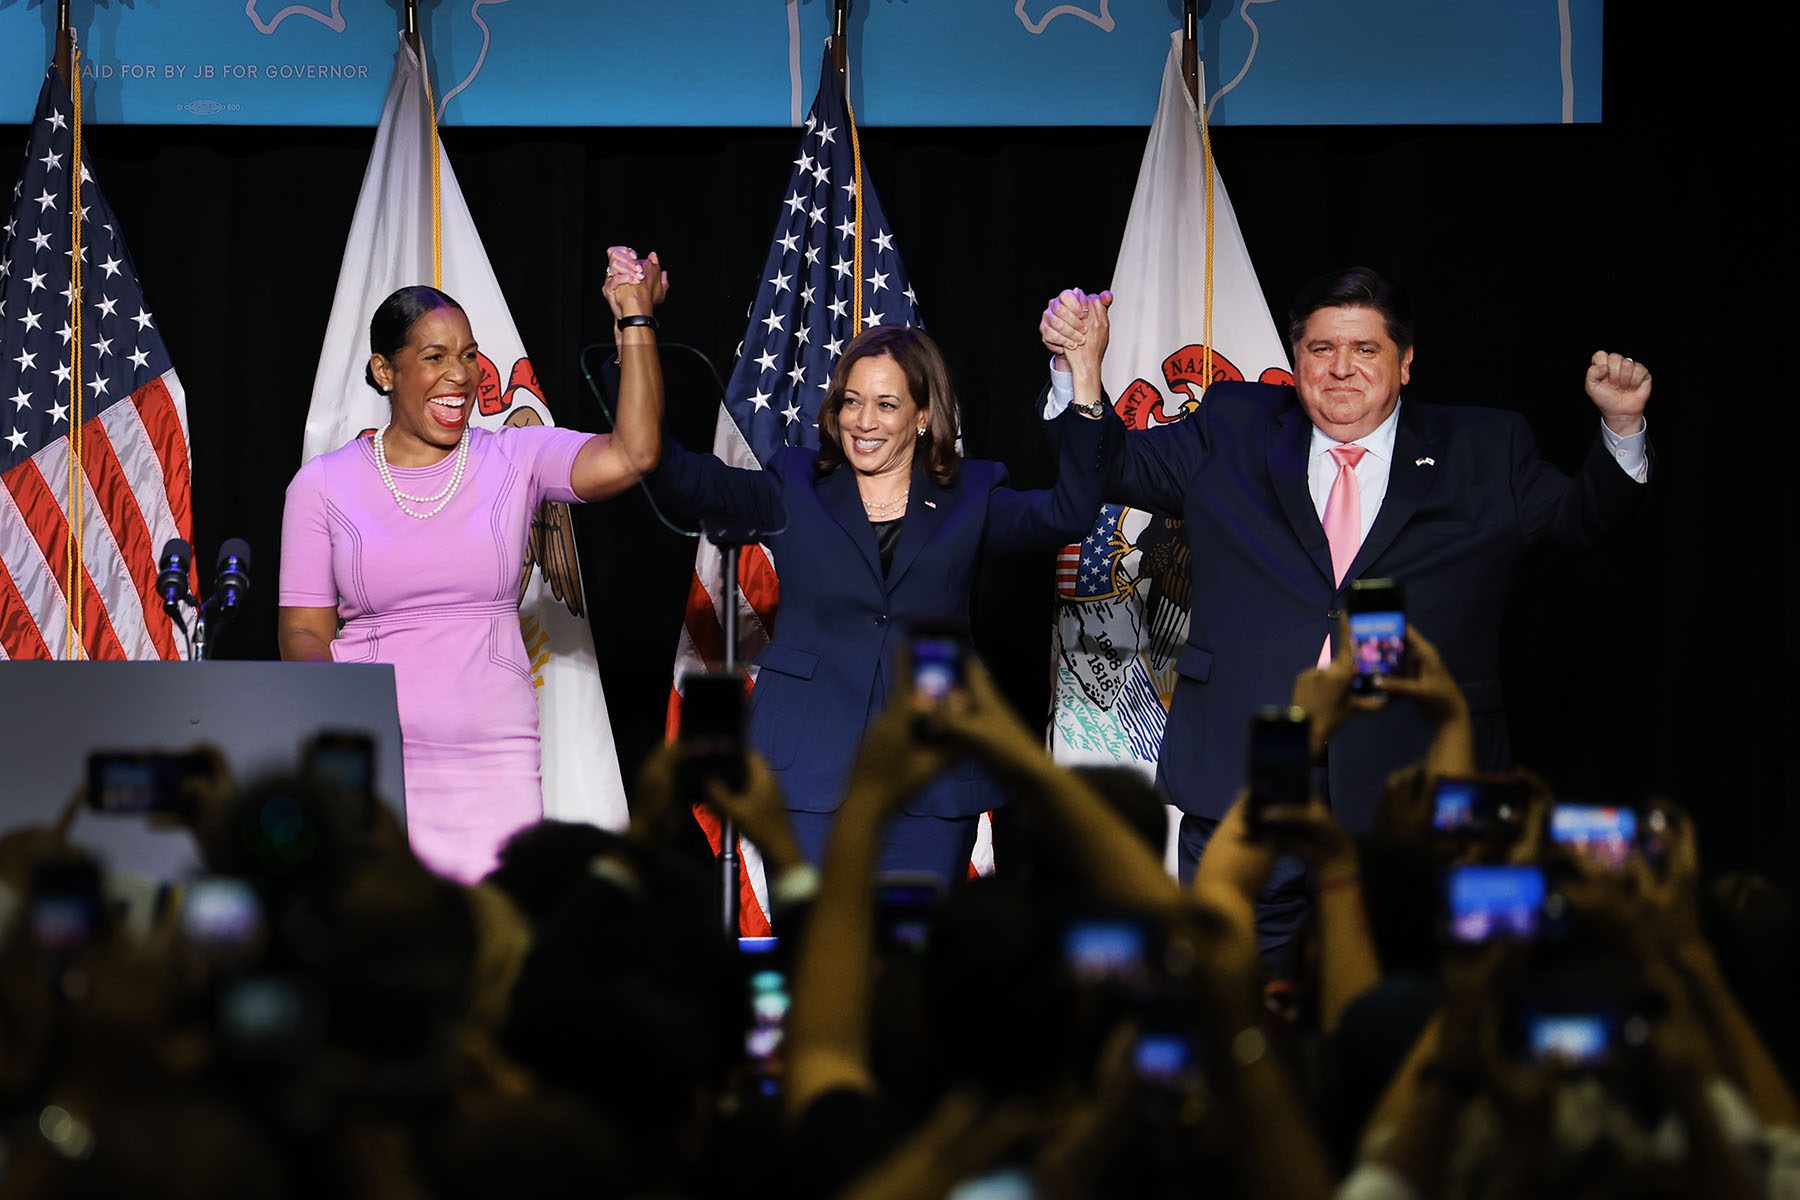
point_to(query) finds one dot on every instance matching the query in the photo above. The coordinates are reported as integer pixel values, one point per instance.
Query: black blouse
(887, 536)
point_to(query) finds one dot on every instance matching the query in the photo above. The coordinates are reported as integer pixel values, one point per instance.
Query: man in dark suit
(1445, 500)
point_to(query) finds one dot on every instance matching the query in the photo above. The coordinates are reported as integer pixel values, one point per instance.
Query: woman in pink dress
(406, 548)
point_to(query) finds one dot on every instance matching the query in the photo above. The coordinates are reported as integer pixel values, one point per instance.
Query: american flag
(1091, 567)
(804, 313)
(131, 475)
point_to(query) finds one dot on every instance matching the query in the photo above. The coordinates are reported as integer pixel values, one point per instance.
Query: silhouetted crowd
(1497, 992)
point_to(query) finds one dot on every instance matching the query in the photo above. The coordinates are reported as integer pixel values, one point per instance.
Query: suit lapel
(843, 503)
(925, 511)
(1289, 444)
(1417, 447)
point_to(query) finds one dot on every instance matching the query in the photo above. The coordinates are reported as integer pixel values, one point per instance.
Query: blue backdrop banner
(751, 62)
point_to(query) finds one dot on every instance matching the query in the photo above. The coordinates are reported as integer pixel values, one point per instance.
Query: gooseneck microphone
(176, 561)
(232, 581)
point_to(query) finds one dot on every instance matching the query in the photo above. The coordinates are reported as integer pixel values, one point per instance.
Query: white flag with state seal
(1123, 593)
(395, 242)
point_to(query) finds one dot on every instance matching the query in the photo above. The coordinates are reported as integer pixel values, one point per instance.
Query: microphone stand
(194, 632)
(728, 542)
(222, 613)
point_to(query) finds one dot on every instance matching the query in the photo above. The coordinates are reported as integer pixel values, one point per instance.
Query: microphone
(177, 560)
(233, 579)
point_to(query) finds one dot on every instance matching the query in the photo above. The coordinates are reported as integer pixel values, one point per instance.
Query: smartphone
(1493, 903)
(342, 764)
(135, 783)
(269, 1017)
(767, 981)
(1107, 950)
(1604, 834)
(222, 916)
(906, 911)
(1579, 1038)
(1166, 1058)
(1001, 1183)
(939, 660)
(1583, 1026)
(1479, 809)
(712, 731)
(1377, 609)
(1656, 829)
(1281, 762)
(63, 907)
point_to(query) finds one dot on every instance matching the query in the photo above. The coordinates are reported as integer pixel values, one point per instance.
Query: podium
(257, 714)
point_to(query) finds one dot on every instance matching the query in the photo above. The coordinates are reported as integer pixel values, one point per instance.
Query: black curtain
(1659, 664)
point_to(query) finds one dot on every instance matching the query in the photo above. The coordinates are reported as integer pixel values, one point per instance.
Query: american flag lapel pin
(1425, 462)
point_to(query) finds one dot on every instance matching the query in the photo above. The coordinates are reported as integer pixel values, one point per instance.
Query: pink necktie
(1343, 521)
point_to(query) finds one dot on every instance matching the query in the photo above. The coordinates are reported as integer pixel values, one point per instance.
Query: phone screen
(712, 730)
(1478, 808)
(129, 783)
(1165, 1058)
(1655, 832)
(1572, 1037)
(937, 658)
(906, 912)
(1487, 903)
(1280, 760)
(769, 1001)
(1377, 610)
(343, 761)
(221, 914)
(342, 766)
(63, 906)
(1453, 810)
(1003, 1183)
(1112, 950)
(1602, 834)
(270, 1017)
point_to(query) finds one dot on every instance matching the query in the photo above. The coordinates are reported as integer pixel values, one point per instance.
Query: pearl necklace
(881, 508)
(405, 500)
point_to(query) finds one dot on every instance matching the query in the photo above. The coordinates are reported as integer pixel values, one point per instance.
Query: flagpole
(410, 36)
(1192, 11)
(840, 52)
(840, 58)
(65, 41)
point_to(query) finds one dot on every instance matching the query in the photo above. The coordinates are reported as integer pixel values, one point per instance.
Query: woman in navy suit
(878, 530)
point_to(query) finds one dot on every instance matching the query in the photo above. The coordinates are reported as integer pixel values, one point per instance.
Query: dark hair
(1357, 287)
(927, 379)
(540, 863)
(394, 318)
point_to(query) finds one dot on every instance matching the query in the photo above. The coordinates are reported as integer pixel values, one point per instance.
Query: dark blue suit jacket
(1468, 496)
(826, 673)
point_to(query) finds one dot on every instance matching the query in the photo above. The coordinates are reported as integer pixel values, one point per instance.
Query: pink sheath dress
(439, 600)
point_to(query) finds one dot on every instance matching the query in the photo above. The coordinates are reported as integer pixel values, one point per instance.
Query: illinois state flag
(391, 246)
(93, 425)
(1122, 594)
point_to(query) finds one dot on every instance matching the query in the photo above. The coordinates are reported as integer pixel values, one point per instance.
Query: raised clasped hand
(634, 286)
(1067, 323)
